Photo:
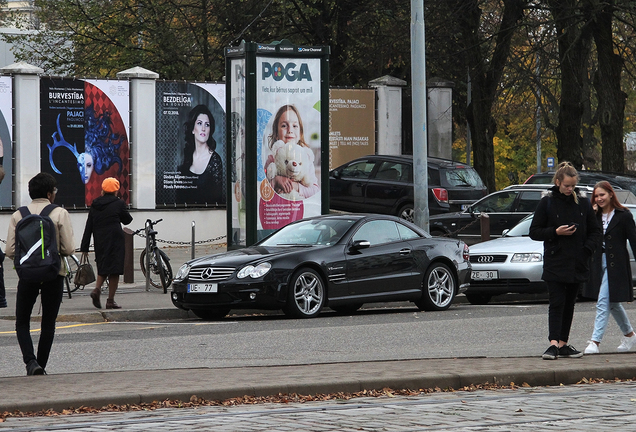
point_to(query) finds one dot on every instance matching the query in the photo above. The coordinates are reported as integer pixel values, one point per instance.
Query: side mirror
(504, 232)
(336, 174)
(360, 244)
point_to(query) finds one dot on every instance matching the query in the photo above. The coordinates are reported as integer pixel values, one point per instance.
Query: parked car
(590, 178)
(340, 261)
(505, 209)
(512, 264)
(384, 184)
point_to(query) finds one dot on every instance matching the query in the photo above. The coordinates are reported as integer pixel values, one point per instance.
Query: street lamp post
(420, 144)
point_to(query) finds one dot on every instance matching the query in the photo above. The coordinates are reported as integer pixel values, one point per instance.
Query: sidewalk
(137, 304)
(97, 389)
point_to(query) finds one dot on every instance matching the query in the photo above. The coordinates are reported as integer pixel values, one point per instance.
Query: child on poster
(287, 174)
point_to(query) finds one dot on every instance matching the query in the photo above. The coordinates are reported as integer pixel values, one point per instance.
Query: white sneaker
(591, 348)
(627, 343)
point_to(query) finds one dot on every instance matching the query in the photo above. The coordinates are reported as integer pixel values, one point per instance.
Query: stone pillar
(142, 135)
(440, 117)
(26, 97)
(389, 117)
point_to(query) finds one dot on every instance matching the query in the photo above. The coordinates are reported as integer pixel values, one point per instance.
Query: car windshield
(522, 229)
(463, 177)
(310, 233)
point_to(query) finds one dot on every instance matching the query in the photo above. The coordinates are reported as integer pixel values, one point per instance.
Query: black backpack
(36, 255)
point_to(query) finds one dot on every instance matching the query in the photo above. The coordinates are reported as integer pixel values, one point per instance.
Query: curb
(96, 389)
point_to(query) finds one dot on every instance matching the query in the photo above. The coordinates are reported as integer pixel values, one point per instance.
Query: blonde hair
(566, 169)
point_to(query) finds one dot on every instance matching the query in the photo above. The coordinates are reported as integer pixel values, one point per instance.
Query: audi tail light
(441, 194)
(466, 253)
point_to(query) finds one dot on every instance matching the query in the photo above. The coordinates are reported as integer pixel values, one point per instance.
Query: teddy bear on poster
(292, 161)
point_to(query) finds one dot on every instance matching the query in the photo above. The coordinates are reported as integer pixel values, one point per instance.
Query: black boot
(33, 368)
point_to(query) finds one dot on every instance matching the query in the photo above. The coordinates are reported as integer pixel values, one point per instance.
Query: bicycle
(72, 265)
(159, 264)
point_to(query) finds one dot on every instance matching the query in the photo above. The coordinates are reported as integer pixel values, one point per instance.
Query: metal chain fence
(188, 243)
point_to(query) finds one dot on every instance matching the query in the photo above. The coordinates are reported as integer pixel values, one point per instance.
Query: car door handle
(405, 251)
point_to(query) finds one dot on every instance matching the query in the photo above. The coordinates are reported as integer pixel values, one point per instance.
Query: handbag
(85, 273)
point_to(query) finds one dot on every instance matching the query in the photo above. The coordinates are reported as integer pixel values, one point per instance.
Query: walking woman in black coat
(611, 280)
(104, 221)
(565, 222)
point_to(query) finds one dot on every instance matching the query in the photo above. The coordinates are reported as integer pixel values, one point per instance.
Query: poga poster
(190, 144)
(288, 147)
(84, 132)
(6, 137)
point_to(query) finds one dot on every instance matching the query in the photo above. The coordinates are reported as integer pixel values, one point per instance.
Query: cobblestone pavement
(598, 407)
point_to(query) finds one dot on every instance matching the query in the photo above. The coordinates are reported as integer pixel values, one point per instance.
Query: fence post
(192, 245)
(485, 226)
(129, 256)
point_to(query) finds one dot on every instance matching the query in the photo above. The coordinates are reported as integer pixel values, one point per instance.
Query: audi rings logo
(207, 273)
(486, 259)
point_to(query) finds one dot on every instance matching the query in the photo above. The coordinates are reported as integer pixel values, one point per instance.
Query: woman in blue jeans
(611, 280)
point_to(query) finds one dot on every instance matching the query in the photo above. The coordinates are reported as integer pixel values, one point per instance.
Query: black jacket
(621, 228)
(104, 221)
(565, 258)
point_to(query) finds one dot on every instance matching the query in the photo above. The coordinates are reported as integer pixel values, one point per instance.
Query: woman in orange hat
(104, 221)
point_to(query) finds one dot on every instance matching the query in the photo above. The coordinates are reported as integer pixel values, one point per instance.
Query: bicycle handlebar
(148, 222)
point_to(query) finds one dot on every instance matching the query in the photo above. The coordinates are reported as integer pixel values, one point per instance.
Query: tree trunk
(485, 76)
(574, 41)
(611, 99)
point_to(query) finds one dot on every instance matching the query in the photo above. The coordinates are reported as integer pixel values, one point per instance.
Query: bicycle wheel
(158, 264)
(72, 265)
(166, 268)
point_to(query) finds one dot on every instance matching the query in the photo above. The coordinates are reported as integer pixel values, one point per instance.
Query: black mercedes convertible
(337, 261)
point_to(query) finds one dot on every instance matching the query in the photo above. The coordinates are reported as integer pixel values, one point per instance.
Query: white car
(512, 264)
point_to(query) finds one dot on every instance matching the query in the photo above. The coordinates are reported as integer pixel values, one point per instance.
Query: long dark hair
(604, 184)
(188, 127)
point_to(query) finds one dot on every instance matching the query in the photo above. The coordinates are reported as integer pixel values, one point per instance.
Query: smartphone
(576, 226)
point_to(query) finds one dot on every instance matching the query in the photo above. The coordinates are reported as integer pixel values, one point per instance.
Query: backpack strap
(48, 209)
(24, 211)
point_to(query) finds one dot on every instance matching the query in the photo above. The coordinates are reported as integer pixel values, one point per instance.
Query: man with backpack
(38, 234)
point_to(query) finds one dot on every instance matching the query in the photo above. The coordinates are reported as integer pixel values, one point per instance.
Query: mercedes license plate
(203, 288)
(484, 274)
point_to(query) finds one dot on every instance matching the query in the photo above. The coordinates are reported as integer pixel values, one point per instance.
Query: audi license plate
(484, 274)
(203, 288)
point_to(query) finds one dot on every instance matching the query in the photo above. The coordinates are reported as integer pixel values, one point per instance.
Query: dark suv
(384, 184)
(590, 178)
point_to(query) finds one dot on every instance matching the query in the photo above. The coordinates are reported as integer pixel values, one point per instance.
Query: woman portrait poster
(191, 166)
(6, 120)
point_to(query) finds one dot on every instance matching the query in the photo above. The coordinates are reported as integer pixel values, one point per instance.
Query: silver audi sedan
(512, 263)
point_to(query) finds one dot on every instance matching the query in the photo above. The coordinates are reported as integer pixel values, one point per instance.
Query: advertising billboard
(190, 151)
(351, 125)
(288, 101)
(84, 137)
(6, 137)
(237, 160)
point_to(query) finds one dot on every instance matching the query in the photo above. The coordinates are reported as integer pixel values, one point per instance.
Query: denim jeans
(604, 307)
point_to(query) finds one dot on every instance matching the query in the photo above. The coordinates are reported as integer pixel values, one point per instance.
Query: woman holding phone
(566, 224)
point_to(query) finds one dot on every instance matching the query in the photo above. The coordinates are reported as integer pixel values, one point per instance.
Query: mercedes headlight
(254, 271)
(182, 273)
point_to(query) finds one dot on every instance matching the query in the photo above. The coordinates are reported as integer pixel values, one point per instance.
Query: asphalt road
(503, 330)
